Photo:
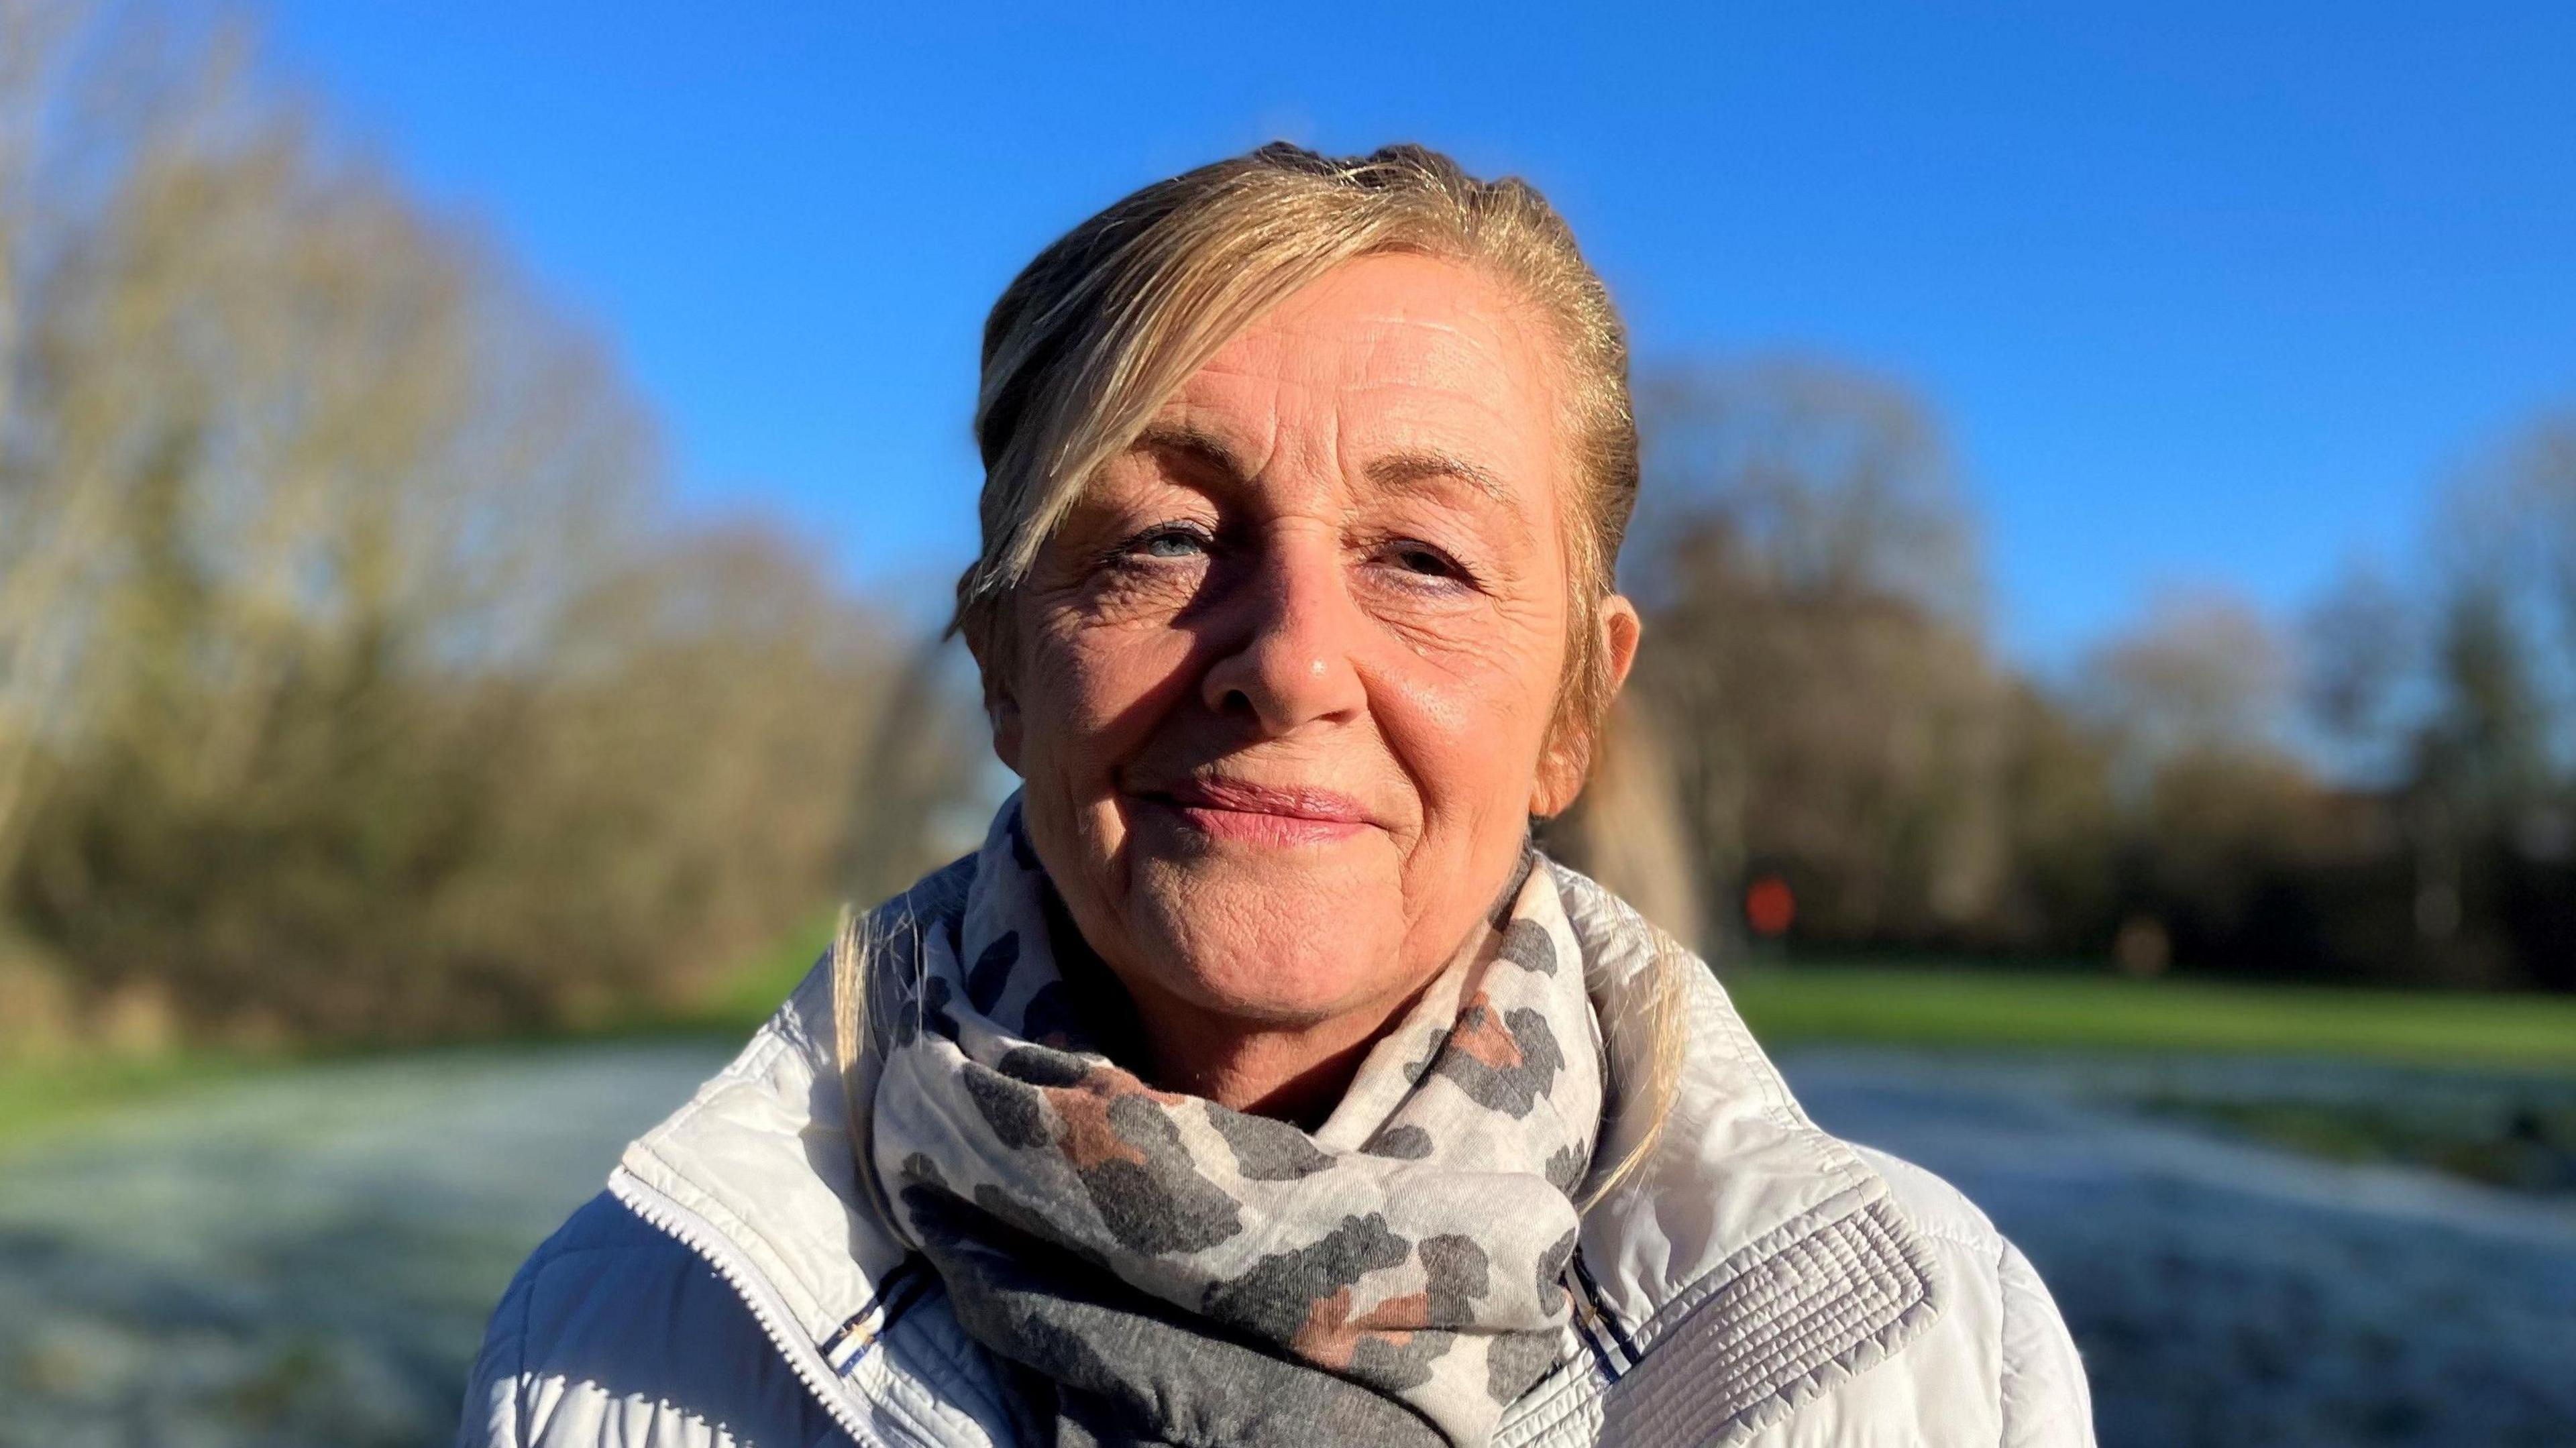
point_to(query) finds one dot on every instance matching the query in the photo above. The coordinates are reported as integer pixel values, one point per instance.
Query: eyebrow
(1408, 467)
(1424, 465)
(1204, 447)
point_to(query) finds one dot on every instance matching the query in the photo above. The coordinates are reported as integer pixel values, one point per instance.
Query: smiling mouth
(1263, 814)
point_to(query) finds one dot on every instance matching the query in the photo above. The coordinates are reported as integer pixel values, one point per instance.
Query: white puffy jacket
(1758, 1282)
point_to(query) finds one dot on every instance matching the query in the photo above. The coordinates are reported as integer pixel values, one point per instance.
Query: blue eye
(1169, 543)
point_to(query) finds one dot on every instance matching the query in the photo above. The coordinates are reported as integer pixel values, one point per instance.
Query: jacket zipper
(701, 1237)
(906, 1283)
(1597, 1317)
(1585, 1322)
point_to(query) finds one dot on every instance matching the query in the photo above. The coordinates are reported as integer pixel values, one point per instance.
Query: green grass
(1989, 1008)
(742, 999)
(37, 1096)
(1947, 1004)
(1937, 1006)
(42, 1095)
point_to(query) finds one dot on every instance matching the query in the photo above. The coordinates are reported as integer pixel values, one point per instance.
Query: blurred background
(479, 491)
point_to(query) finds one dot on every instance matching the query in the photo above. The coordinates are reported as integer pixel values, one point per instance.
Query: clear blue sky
(2206, 293)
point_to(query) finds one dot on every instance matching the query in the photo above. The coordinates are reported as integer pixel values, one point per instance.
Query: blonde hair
(1097, 332)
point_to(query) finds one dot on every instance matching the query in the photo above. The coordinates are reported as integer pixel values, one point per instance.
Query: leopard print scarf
(1156, 1268)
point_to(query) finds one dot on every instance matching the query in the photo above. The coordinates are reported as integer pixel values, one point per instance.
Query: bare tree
(2360, 657)
(1808, 573)
(350, 679)
(2203, 674)
(1817, 480)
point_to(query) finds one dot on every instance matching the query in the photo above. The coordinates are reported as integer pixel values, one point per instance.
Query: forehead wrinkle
(1422, 359)
(1503, 408)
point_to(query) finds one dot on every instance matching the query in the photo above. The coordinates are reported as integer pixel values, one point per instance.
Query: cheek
(1470, 725)
(1092, 694)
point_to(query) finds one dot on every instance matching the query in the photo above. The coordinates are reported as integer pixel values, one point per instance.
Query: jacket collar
(1748, 1263)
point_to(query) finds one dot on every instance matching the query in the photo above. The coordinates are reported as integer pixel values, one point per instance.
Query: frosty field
(304, 1257)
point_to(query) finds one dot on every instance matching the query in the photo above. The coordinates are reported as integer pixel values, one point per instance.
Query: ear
(1567, 762)
(1001, 701)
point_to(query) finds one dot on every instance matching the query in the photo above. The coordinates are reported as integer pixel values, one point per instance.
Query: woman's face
(1280, 686)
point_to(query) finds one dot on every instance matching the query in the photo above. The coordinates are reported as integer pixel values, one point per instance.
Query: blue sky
(2207, 294)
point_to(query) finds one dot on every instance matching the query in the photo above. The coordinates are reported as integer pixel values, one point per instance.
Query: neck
(1294, 1072)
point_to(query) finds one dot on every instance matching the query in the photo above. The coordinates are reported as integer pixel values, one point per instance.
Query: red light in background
(1769, 906)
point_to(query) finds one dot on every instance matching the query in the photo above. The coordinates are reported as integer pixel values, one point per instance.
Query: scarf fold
(1156, 1268)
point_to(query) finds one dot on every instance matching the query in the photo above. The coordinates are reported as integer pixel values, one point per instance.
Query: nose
(1286, 660)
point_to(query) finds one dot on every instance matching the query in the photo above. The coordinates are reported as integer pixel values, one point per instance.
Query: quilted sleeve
(2046, 1402)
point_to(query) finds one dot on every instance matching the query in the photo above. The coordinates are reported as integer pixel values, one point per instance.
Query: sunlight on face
(1282, 681)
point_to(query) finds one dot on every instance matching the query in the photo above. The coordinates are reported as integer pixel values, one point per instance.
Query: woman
(1257, 1082)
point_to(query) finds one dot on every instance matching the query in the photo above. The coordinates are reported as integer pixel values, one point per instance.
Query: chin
(1280, 945)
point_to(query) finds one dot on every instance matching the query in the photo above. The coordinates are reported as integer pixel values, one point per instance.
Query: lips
(1261, 813)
